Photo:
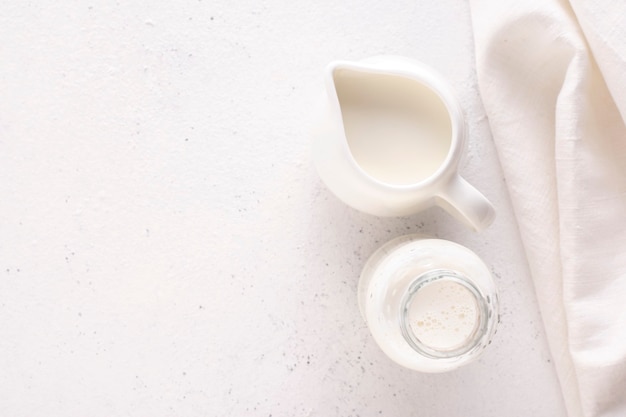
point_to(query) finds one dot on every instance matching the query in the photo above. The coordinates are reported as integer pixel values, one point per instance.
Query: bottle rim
(481, 327)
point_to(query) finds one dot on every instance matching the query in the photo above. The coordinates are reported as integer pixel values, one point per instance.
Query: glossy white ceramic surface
(368, 173)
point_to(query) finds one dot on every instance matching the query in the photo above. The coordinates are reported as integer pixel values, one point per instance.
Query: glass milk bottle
(430, 304)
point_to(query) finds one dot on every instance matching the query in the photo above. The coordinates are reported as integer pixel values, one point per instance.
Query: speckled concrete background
(166, 248)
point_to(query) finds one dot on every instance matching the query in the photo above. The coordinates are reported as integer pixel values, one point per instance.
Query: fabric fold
(561, 141)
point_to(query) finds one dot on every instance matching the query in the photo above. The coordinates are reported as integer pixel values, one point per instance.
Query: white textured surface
(166, 246)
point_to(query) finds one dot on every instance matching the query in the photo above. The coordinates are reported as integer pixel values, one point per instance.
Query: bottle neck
(443, 314)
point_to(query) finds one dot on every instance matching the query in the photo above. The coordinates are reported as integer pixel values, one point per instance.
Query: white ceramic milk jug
(390, 138)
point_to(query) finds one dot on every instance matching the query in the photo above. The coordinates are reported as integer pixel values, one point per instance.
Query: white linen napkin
(552, 76)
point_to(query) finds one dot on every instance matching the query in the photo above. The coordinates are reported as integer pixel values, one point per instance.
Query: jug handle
(466, 203)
